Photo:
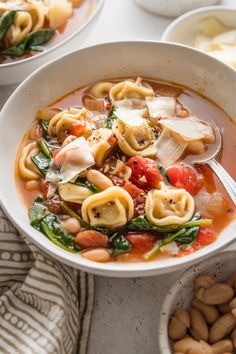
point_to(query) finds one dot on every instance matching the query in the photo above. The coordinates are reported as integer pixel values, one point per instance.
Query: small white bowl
(181, 292)
(163, 61)
(172, 8)
(184, 29)
(17, 71)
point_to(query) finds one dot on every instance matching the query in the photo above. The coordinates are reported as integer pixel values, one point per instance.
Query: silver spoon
(209, 158)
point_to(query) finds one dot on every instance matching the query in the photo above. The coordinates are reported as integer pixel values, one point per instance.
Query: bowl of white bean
(198, 315)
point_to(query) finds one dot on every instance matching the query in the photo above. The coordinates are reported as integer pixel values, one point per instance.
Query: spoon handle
(227, 181)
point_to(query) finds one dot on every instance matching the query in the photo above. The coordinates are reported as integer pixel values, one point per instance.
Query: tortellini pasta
(135, 140)
(26, 167)
(169, 206)
(63, 121)
(111, 208)
(130, 89)
(22, 25)
(99, 144)
(74, 193)
(101, 89)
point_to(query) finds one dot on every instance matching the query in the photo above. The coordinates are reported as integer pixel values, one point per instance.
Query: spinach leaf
(189, 236)
(6, 21)
(43, 159)
(119, 244)
(111, 117)
(43, 147)
(32, 41)
(42, 220)
(142, 224)
(41, 162)
(88, 185)
(44, 125)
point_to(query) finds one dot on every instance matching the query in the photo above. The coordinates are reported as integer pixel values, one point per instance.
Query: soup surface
(108, 171)
(26, 26)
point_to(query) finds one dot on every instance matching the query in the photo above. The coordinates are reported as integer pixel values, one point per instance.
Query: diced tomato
(145, 172)
(183, 176)
(77, 129)
(55, 152)
(112, 140)
(141, 241)
(108, 105)
(206, 235)
(138, 196)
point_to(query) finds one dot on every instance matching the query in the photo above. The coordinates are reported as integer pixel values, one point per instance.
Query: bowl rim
(98, 7)
(134, 269)
(217, 8)
(163, 314)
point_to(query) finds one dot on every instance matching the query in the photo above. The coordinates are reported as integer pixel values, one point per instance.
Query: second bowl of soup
(103, 166)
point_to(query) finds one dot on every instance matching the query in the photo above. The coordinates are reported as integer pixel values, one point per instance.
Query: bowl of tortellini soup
(33, 32)
(99, 169)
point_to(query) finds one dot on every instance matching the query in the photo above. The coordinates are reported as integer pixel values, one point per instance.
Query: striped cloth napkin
(45, 306)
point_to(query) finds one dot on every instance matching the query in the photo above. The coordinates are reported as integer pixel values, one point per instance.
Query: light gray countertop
(126, 312)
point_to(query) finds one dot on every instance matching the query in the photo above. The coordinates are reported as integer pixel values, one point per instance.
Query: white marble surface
(126, 311)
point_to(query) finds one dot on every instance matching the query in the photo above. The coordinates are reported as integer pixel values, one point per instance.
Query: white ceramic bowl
(170, 62)
(18, 70)
(184, 29)
(171, 8)
(181, 292)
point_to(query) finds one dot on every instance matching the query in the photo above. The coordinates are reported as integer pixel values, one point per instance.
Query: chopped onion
(214, 203)
(170, 249)
(94, 104)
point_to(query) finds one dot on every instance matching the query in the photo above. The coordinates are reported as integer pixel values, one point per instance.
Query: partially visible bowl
(163, 61)
(186, 27)
(181, 292)
(172, 8)
(17, 71)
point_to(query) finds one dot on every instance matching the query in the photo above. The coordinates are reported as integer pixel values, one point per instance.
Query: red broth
(198, 106)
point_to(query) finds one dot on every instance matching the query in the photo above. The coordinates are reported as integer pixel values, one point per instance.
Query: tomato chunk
(55, 152)
(141, 241)
(77, 129)
(206, 235)
(112, 140)
(139, 197)
(145, 172)
(183, 176)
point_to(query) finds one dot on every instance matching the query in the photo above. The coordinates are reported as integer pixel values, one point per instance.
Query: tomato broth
(197, 106)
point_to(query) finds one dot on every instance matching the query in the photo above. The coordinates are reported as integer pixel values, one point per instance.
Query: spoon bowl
(209, 158)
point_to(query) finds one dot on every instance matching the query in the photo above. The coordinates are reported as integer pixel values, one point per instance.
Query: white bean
(97, 255)
(72, 225)
(99, 179)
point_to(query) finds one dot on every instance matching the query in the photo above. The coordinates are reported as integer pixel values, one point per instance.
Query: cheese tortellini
(135, 140)
(111, 208)
(63, 121)
(74, 193)
(169, 206)
(101, 89)
(99, 145)
(27, 169)
(130, 89)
